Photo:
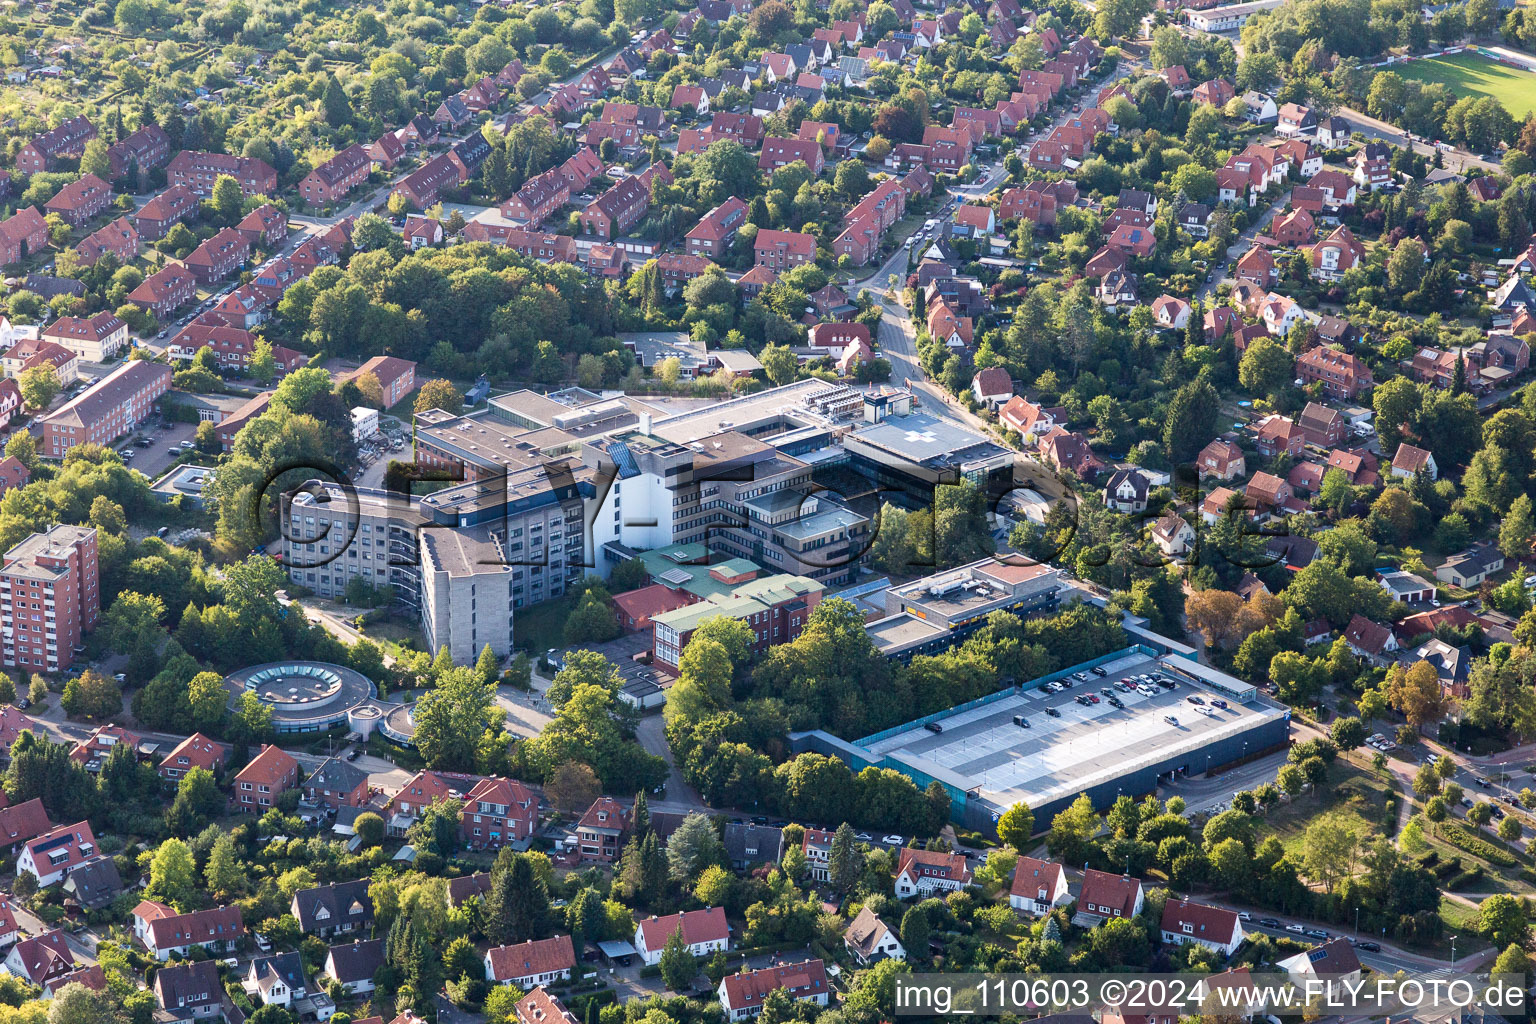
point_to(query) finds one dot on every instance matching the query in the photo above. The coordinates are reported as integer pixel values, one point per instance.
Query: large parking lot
(1070, 742)
(155, 458)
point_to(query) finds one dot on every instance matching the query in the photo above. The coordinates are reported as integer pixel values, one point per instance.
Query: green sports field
(1471, 75)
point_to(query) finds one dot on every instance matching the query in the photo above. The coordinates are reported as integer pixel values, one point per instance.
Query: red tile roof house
(1039, 886)
(196, 751)
(782, 250)
(166, 933)
(200, 171)
(44, 151)
(497, 812)
(336, 177)
(704, 932)
(1410, 460)
(1321, 425)
(690, 96)
(1336, 255)
(425, 185)
(529, 964)
(385, 152)
(1275, 434)
(622, 206)
(1027, 204)
(539, 199)
(232, 346)
(57, 852)
(421, 232)
(44, 960)
(395, 375)
(270, 774)
(1258, 267)
(1341, 374)
(926, 871)
(9, 931)
(1269, 493)
(742, 995)
(781, 152)
(163, 211)
(23, 822)
(80, 200)
(13, 472)
(581, 168)
(1370, 640)
(165, 291)
(1105, 896)
(98, 745)
(265, 227)
(219, 256)
(716, 230)
(22, 234)
(837, 335)
(119, 238)
(600, 832)
(992, 387)
(1295, 228)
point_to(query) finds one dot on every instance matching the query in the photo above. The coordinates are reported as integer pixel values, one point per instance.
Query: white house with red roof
(41, 960)
(1106, 895)
(704, 932)
(923, 872)
(526, 964)
(742, 995)
(817, 847)
(1211, 927)
(1039, 886)
(165, 933)
(992, 386)
(9, 930)
(57, 852)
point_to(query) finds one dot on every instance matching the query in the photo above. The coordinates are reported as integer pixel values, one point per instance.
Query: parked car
(1218, 703)
(1317, 933)
(1098, 670)
(1170, 720)
(1194, 700)
(893, 840)
(1269, 922)
(1053, 712)
(1297, 928)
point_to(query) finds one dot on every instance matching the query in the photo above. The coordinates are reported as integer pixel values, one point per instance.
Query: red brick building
(781, 152)
(265, 227)
(165, 291)
(497, 812)
(120, 238)
(717, 229)
(539, 199)
(337, 176)
(1341, 374)
(232, 346)
(199, 171)
(424, 186)
(622, 206)
(67, 140)
(781, 250)
(270, 774)
(219, 256)
(55, 574)
(196, 751)
(108, 409)
(80, 200)
(397, 377)
(165, 210)
(143, 151)
(22, 234)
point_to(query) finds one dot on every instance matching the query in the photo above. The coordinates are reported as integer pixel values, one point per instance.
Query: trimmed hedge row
(1464, 840)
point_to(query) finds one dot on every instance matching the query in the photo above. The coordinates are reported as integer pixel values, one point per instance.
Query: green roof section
(740, 601)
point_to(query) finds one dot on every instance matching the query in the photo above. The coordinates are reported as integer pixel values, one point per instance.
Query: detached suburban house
(742, 995)
(1039, 886)
(1470, 568)
(535, 962)
(870, 940)
(704, 932)
(1105, 896)
(1211, 927)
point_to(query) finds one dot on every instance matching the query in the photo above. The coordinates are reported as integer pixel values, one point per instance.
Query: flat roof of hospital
(921, 438)
(1056, 758)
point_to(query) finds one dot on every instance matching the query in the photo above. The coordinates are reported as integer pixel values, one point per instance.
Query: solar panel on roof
(676, 576)
(1315, 955)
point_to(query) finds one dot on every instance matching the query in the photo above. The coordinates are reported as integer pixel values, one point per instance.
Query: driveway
(1237, 249)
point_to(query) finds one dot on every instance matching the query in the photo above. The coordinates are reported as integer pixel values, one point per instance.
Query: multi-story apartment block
(498, 812)
(93, 338)
(144, 150)
(165, 291)
(67, 140)
(717, 229)
(337, 176)
(539, 199)
(219, 256)
(425, 185)
(110, 408)
(80, 200)
(622, 206)
(782, 250)
(49, 598)
(164, 211)
(199, 171)
(22, 234)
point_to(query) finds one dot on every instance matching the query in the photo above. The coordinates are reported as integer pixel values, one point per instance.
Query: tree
(845, 864)
(915, 930)
(1514, 963)
(226, 199)
(1265, 368)
(197, 800)
(76, 1004)
(452, 717)
(693, 847)
(1191, 420)
(1329, 850)
(1416, 693)
(1016, 827)
(1518, 528)
(1347, 733)
(677, 963)
(439, 394)
(40, 385)
(572, 786)
(1071, 830)
(779, 363)
(23, 448)
(173, 873)
(1502, 919)
(262, 367)
(91, 695)
(1405, 267)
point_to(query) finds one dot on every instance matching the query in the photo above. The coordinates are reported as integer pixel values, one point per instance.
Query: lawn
(1355, 795)
(1468, 74)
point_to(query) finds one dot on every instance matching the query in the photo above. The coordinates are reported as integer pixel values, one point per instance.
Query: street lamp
(1453, 951)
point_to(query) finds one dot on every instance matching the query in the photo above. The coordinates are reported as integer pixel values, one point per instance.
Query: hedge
(1464, 840)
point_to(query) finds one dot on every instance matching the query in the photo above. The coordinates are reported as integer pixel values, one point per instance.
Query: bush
(1463, 840)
